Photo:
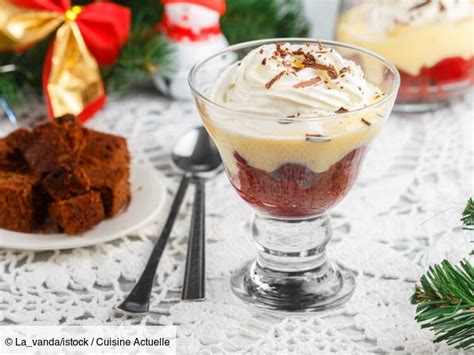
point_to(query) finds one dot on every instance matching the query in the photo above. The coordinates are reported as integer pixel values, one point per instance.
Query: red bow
(104, 25)
(71, 78)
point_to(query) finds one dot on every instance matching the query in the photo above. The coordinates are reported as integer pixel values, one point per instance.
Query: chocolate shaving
(260, 51)
(299, 51)
(306, 83)
(344, 70)
(310, 62)
(280, 51)
(366, 122)
(316, 138)
(274, 80)
(285, 121)
(329, 68)
(341, 110)
(320, 46)
(424, 3)
(264, 61)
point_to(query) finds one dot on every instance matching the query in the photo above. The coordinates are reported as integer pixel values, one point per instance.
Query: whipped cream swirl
(387, 14)
(293, 80)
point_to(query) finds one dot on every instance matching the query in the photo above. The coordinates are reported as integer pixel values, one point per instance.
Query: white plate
(148, 199)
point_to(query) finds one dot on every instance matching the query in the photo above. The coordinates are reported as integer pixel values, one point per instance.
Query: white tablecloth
(420, 165)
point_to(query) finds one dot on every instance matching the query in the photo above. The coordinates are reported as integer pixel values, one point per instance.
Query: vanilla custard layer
(268, 145)
(409, 48)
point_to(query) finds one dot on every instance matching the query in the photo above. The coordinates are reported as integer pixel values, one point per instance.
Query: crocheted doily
(391, 225)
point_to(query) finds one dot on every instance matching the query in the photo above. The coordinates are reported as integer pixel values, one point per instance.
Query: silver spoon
(197, 156)
(200, 163)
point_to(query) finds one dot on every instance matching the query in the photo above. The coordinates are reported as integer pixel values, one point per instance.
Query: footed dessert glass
(430, 42)
(292, 175)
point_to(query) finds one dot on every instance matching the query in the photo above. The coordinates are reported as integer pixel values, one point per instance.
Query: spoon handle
(139, 298)
(8, 110)
(194, 277)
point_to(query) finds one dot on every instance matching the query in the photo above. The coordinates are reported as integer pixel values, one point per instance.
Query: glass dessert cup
(292, 177)
(435, 59)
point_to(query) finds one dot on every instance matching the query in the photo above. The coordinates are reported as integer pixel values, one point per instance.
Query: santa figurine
(192, 27)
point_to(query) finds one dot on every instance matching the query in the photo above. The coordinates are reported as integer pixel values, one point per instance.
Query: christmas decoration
(468, 215)
(84, 39)
(146, 53)
(192, 26)
(445, 297)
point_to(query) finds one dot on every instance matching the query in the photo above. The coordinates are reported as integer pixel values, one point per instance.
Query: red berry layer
(294, 190)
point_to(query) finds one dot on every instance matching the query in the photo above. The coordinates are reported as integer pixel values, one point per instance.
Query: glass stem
(291, 245)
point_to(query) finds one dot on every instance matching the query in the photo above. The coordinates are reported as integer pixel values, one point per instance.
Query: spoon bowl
(196, 154)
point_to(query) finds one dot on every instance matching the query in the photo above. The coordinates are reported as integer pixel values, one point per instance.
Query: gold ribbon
(74, 82)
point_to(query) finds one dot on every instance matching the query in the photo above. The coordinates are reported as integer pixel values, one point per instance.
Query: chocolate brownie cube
(10, 160)
(113, 185)
(47, 150)
(11, 146)
(19, 139)
(20, 203)
(106, 149)
(77, 214)
(73, 132)
(5, 152)
(115, 191)
(65, 182)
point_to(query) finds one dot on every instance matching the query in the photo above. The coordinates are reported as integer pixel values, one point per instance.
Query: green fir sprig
(444, 298)
(247, 20)
(468, 215)
(145, 54)
(445, 303)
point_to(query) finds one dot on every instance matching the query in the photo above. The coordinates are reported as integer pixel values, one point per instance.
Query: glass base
(291, 272)
(314, 290)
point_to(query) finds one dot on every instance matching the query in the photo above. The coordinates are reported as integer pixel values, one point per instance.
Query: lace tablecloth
(420, 165)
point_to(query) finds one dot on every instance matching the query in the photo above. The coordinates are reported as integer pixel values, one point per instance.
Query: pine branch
(445, 299)
(10, 89)
(247, 20)
(445, 303)
(144, 54)
(145, 13)
(468, 215)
